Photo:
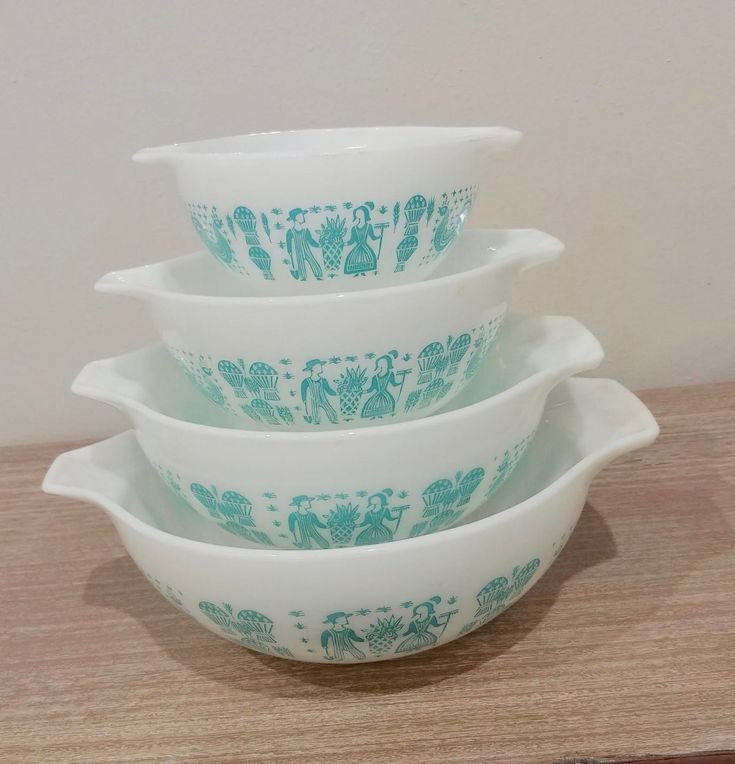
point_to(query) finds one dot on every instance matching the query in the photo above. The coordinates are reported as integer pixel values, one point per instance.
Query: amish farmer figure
(314, 392)
(339, 638)
(305, 524)
(298, 244)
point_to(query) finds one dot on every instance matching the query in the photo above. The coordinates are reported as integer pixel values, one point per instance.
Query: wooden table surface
(626, 646)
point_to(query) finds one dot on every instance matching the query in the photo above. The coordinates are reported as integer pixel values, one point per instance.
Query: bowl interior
(163, 388)
(329, 141)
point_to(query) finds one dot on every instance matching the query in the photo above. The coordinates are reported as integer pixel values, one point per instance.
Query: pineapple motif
(383, 633)
(342, 522)
(350, 387)
(332, 241)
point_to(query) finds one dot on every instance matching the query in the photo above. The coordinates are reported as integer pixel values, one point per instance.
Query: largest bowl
(366, 603)
(327, 361)
(317, 211)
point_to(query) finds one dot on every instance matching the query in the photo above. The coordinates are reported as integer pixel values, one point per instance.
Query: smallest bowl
(315, 211)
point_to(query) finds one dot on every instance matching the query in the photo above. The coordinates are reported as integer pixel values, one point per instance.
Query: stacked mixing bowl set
(345, 449)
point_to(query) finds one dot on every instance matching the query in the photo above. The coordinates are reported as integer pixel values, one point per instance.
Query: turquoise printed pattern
(359, 634)
(508, 463)
(327, 520)
(500, 593)
(352, 636)
(368, 388)
(327, 240)
(445, 499)
(174, 596)
(248, 627)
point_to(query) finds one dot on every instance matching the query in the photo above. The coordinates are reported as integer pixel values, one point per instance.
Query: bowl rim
(585, 362)
(551, 249)
(644, 435)
(462, 134)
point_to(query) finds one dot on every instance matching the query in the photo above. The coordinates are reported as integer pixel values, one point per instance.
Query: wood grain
(626, 646)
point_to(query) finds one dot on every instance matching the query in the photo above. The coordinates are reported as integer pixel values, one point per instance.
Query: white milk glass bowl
(316, 211)
(330, 361)
(345, 487)
(365, 603)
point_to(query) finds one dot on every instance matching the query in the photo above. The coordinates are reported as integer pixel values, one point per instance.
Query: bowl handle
(101, 381)
(527, 247)
(88, 473)
(118, 282)
(156, 155)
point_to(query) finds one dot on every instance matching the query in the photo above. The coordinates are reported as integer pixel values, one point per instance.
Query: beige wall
(627, 107)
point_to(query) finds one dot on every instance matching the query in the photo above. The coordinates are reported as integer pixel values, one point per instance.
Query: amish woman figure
(361, 259)
(418, 634)
(382, 402)
(339, 638)
(377, 515)
(298, 245)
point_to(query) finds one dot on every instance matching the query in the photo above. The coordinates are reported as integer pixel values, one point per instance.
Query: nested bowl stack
(345, 448)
